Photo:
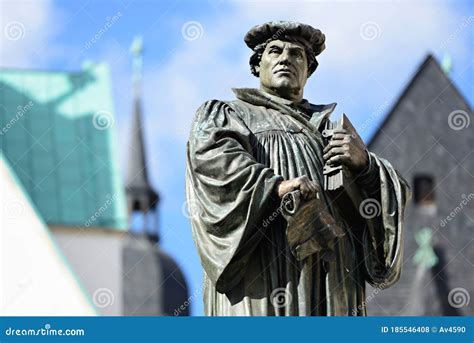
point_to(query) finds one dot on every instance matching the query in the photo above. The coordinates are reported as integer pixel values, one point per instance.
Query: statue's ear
(257, 68)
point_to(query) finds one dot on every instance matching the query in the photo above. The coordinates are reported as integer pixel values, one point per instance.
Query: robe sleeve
(228, 193)
(383, 235)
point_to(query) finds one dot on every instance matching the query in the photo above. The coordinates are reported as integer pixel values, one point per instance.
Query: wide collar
(317, 113)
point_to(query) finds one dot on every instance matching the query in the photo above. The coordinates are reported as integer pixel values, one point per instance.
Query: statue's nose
(284, 58)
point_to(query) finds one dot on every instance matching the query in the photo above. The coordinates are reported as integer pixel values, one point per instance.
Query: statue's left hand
(346, 148)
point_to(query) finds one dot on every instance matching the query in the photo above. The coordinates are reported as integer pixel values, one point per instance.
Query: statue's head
(284, 56)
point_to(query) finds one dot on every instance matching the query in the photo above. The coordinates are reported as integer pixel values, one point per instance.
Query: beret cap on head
(312, 38)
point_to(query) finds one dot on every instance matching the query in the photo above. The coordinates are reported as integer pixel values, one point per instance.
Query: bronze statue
(274, 238)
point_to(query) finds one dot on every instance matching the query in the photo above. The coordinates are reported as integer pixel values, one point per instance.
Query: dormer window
(423, 189)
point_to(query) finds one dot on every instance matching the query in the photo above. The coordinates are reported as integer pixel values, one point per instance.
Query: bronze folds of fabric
(311, 229)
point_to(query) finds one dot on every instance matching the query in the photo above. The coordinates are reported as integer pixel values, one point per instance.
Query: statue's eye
(274, 50)
(297, 53)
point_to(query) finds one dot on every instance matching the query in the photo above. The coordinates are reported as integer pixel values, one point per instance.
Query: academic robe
(236, 154)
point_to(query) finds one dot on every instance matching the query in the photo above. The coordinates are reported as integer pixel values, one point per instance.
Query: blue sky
(194, 51)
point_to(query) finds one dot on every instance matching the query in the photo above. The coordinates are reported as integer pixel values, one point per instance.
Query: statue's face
(283, 67)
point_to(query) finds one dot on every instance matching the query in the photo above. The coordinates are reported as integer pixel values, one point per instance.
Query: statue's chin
(283, 82)
(285, 90)
(283, 87)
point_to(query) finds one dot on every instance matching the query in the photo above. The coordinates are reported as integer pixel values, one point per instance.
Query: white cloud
(203, 69)
(27, 29)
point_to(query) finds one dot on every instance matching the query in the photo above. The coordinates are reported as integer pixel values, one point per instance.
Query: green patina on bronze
(425, 256)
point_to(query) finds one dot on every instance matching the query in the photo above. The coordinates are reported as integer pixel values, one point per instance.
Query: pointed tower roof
(428, 133)
(140, 193)
(429, 73)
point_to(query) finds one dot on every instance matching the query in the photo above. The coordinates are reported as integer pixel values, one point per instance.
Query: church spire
(141, 197)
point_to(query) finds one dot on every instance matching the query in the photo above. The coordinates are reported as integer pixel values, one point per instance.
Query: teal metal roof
(57, 132)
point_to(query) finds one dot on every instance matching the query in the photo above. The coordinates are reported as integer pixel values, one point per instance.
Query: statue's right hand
(309, 189)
